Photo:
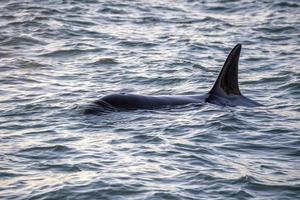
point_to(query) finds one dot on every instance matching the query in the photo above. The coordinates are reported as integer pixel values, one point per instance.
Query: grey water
(57, 56)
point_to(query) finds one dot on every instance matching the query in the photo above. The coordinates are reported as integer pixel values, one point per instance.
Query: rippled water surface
(56, 57)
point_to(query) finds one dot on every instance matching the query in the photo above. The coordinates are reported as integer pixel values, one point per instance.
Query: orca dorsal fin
(227, 81)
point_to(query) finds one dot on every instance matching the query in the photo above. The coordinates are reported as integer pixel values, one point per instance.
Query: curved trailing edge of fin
(226, 88)
(227, 81)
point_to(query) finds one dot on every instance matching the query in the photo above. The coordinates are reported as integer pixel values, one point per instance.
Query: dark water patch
(22, 40)
(45, 152)
(13, 80)
(286, 4)
(50, 11)
(163, 195)
(80, 23)
(25, 63)
(147, 20)
(64, 139)
(6, 68)
(137, 44)
(68, 52)
(7, 175)
(55, 148)
(69, 33)
(7, 17)
(274, 38)
(167, 8)
(274, 79)
(112, 10)
(160, 80)
(277, 29)
(39, 132)
(28, 27)
(258, 147)
(59, 168)
(291, 86)
(147, 139)
(4, 37)
(105, 61)
(256, 58)
(217, 8)
(281, 190)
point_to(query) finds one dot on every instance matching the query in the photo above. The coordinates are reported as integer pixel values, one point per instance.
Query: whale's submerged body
(225, 92)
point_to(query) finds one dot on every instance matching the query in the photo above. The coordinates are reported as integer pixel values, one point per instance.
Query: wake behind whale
(224, 92)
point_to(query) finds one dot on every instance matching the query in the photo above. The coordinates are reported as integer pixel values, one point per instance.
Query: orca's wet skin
(225, 92)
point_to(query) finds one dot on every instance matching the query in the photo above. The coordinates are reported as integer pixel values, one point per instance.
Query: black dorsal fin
(227, 82)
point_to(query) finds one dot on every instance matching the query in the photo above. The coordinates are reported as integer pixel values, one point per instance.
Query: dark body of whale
(225, 92)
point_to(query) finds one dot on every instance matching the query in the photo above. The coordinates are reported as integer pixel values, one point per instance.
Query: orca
(225, 92)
